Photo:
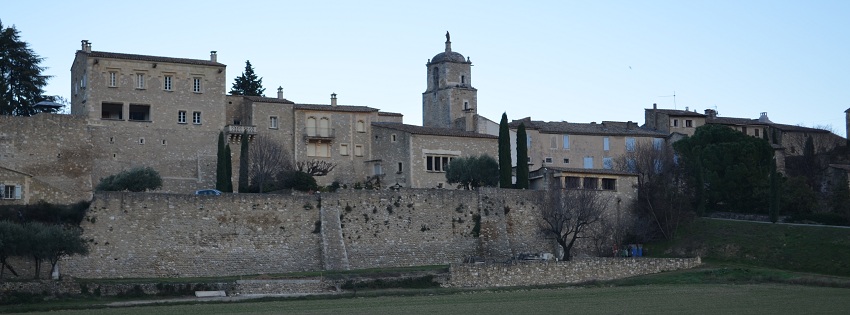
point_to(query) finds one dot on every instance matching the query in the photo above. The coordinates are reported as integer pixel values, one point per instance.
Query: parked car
(208, 192)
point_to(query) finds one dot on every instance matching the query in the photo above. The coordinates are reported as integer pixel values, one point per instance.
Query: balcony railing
(318, 133)
(239, 129)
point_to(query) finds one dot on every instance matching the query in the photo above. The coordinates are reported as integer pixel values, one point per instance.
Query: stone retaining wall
(576, 271)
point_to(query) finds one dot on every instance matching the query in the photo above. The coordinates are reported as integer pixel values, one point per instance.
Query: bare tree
(570, 214)
(662, 196)
(267, 160)
(315, 167)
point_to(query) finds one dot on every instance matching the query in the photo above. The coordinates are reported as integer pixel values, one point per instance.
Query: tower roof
(448, 55)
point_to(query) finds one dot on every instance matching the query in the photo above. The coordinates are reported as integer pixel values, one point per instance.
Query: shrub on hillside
(46, 212)
(299, 181)
(136, 180)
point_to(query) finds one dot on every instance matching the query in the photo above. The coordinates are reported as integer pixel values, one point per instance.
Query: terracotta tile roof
(605, 128)
(587, 171)
(268, 99)
(103, 54)
(338, 108)
(419, 130)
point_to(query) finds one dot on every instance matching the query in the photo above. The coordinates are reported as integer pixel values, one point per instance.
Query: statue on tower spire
(448, 42)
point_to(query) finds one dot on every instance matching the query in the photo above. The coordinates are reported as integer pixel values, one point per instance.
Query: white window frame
(196, 118)
(606, 144)
(14, 193)
(181, 116)
(689, 123)
(588, 162)
(438, 163)
(113, 79)
(273, 122)
(140, 80)
(196, 84)
(167, 82)
(566, 142)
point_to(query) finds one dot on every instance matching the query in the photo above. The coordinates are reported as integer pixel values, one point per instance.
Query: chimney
(847, 123)
(711, 113)
(654, 106)
(686, 108)
(280, 92)
(763, 118)
(86, 46)
(214, 56)
(333, 99)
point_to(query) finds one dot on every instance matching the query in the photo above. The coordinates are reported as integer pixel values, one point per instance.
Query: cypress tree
(228, 170)
(521, 158)
(505, 171)
(243, 163)
(220, 164)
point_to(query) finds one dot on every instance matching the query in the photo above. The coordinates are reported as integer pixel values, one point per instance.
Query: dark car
(208, 192)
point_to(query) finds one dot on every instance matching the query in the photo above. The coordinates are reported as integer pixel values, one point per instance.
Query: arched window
(311, 126)
(436, 75)
(324, 127)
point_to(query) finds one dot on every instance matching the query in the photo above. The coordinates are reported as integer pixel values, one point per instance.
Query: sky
(576, 61)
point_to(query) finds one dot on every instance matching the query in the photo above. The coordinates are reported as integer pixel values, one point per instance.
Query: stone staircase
(334, 254)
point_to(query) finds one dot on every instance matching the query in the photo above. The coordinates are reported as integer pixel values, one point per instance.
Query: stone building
(583, 145)
(161, 112)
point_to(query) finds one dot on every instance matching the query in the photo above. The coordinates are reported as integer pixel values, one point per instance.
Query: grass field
(649, 299)
(824, 250)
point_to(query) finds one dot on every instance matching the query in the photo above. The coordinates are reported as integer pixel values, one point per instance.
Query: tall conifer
(521, 157)
(505, 171)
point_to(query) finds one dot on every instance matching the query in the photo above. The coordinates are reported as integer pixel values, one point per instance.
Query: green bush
(137, 180)
(45, 212)
(299, 181)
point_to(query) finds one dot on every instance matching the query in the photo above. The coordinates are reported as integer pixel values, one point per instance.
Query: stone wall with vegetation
(575, 271)
(140, 235)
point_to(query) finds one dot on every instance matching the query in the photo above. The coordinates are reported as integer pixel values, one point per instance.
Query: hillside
(824, 250)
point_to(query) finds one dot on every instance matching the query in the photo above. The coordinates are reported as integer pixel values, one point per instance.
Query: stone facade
(574, 271)
(138, 235)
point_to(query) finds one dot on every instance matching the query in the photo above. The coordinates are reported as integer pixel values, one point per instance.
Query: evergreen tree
(243, 164)
(248, 84)
(228, 169)
(521, 157)
(774, 192)
(505, 171)
(21, 79)
(220, 164)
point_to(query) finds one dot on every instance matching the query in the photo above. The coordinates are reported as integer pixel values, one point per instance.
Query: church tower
(449, 101)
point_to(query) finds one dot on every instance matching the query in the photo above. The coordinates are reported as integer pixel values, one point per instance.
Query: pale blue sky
(578, 61)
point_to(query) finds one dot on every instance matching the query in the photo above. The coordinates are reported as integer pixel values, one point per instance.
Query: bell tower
(449, 100)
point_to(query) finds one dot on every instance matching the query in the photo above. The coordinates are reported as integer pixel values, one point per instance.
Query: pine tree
(243, 164)
(505, 171)
(220, 164)
(228, 169)
(521, 158)
(248, 84)
(21, 78)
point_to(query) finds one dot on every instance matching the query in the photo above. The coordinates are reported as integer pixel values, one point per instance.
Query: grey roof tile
(419, 130)
(103, 54)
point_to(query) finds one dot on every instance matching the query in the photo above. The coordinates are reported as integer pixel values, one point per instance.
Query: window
(111, 139)
(324, 127)
(630, 144)
(140, 112)
(632, 165)
(465, 105)
(757, 132)
(566, 161)
(358, 150)
(112, 111)
(437, 163)
(393, 137)
(607, 163)
(11, 191)
(343, 149)
(196, 85)
(547, 160)
(689, 123)
(566, 142)
(311, 126)
(140, 80)
(113, 79)
(606, 145)
(400, 167)
(318, 149)
(609, 184)
(657, 143)
(141, 140)
(553, 142)
(675, 123)
(591, 183)
(571, 182)
(164, 142)
(181, 117)
(196, 118)
(361, 126)
(528, 141)
(167, 83)
(273, 122)
(588, 162)
(377, 169)
(462, 79)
